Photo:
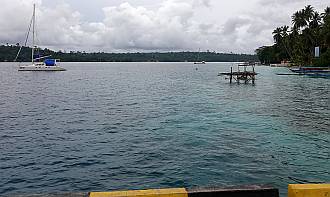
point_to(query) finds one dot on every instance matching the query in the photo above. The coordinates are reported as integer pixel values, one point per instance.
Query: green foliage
(8, 53)
(324, 60)
(309, 30)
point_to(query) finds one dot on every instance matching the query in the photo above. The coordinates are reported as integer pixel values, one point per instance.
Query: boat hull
(321, 75)
(311, 70)
(41, 68)
(199, 63)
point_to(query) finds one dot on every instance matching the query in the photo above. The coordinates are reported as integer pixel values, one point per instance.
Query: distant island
(300, 44)
(8, 54)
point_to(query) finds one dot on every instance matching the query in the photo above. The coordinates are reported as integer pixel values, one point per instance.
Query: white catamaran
(39, 63)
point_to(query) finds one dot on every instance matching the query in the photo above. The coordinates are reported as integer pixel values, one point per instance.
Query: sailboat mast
(33, 29)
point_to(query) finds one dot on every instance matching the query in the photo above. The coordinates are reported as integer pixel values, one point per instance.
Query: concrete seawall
(246, 191)
(294, 190)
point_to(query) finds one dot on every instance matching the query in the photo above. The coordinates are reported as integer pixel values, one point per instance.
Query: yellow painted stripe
(175, 192)
(309, 190)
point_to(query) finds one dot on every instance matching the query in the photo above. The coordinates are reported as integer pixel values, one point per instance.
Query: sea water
(115, 126)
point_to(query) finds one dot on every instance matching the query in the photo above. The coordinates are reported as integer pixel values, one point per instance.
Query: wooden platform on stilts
(245, 75)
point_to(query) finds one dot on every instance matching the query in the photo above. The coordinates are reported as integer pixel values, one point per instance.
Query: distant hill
(8, 53)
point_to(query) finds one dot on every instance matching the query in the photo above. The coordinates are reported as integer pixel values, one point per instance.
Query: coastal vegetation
(297, 44)
(8, 53)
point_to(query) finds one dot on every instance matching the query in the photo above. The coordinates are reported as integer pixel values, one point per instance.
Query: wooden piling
(253, 77)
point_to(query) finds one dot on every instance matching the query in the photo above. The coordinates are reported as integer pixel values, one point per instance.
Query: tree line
(8, 53)
(297, 44)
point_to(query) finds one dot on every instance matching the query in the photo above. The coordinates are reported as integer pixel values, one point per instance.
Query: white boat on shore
(38, 62)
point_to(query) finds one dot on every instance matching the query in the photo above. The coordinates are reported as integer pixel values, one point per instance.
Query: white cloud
(14, 18)
(173, 25)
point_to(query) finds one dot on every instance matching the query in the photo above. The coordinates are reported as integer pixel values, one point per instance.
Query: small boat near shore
(202, 62)
(322, 72)
(198, 58)
(304, 70)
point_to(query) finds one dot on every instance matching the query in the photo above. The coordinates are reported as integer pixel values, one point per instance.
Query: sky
(238, 26)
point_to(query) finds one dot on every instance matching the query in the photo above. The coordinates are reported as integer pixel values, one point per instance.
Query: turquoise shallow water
(110, 126)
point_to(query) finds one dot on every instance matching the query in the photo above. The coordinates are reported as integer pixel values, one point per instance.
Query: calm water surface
(112, 126)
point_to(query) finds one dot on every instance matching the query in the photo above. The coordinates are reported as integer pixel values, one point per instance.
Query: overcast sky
(238, 26)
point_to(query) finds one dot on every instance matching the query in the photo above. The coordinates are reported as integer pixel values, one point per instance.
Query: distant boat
(198, 59)
(304, 70)
(38, 62)
(319, 75)
(202, 62)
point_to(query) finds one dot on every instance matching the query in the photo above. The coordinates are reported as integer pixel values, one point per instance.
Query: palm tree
(325, 31)
(302, 18)
(309, 29)
(277, 35)
(308, 13)
(326, 12)
(285, 39)
(315, 20)
(298, 20)
(285, 30)
(281, 38)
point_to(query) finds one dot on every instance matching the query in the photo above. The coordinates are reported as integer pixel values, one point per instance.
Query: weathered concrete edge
(59, 194)
(245, 190)
(235, 191)
(231, 188)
